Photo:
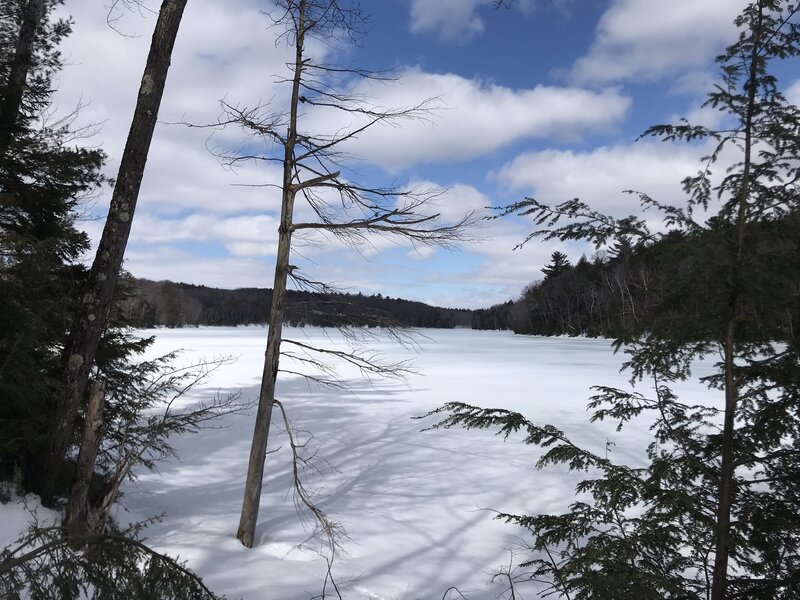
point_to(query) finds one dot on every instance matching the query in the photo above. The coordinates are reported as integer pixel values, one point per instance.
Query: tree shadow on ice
(209, 472)
(388, 482)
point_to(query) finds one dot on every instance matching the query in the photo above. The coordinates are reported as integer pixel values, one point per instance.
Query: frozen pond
(417, 505)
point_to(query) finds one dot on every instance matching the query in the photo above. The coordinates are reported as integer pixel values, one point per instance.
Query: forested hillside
(603, 296)
(629, 286)
(169, 304)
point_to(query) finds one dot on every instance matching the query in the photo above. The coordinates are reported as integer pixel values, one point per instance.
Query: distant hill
(170, 304)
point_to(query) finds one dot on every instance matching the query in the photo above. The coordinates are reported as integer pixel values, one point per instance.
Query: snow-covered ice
(417, 506)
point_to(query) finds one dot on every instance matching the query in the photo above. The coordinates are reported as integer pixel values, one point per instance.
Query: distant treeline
(598, 297)
(608, 295)
(629, 285)
(169, 304)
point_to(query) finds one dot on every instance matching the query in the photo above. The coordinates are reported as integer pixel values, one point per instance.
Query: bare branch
(117, 7)
(333, 531)
(316, 181)
(367, 363)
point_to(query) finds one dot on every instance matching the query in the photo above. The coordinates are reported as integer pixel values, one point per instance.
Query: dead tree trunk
(310, 172)
(90, 320)
(11, 101)
(266, 398)
(80, 520)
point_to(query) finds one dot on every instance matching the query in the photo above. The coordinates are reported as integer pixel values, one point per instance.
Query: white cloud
(644, 40)
(497, 272)
(792, 93)
(693, 83)
(106, 67)
(457, 201)
(242, 236)
(459, 21)
(600, 176)
(421, 253)
(473, 118)
(165, 262)
(454, 20)
(182, 175)
(705, 116)
(452, 205)
(505, 266)
(236, 59)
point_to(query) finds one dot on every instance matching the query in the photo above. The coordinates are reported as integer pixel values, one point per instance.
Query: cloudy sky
(545, 98)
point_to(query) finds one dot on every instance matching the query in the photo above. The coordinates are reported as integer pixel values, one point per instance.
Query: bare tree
(92, 315)
(347, 210)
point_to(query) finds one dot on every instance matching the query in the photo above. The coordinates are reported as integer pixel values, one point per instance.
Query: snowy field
(417, 506)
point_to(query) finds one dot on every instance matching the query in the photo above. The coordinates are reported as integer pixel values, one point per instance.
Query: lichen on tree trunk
(82, 518)
(92, 315)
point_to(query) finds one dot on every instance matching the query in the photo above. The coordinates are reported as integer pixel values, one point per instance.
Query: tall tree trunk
(90, 320)
(722, 537)
(11, 101)
(79, 518)
(266, 398)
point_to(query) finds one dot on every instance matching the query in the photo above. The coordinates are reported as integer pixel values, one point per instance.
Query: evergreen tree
(42, 180)
(621, 248)
(716, 512)
(558, 264)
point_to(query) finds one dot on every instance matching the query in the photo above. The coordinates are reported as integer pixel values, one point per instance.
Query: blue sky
(544, 98)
